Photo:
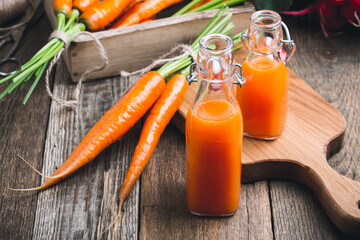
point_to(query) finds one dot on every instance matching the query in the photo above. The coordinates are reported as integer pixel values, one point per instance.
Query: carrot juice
(263, 99)
(213, 167)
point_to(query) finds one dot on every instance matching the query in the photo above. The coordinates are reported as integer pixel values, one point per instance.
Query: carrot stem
(174, 66)
(60, 21)
(229, 3)
(206, 30)
(73, 16)
(38, 76)
(35, 66)
(38, 54)
(56, 48)
(206, 6)
(187, 7)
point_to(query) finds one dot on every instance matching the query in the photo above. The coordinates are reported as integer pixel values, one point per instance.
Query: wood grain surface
(81, 206)
(22, 131)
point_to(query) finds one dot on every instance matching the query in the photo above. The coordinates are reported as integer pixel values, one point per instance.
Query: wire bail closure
(288, 44)
(240, 80)
(192, 74)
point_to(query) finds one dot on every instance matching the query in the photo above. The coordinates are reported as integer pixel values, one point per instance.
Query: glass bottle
(264, 98)
(214, 131)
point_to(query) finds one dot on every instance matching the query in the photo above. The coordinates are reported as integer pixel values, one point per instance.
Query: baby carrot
(144, 11)
(155, 123)
(103, 13)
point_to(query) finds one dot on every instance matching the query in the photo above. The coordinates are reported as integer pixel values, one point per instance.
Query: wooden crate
(134, 47)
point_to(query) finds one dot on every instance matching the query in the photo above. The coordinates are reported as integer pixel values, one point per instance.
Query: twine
(185, 49)
(63, 37)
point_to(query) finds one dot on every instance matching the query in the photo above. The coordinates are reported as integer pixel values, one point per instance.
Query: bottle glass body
(214, 133)
(264, 98)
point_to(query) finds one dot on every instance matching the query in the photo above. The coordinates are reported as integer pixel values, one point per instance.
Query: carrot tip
(37, 171)
(25, 189)
(118, 215)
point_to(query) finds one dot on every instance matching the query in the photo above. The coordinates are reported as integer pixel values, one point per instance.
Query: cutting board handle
(339, 195)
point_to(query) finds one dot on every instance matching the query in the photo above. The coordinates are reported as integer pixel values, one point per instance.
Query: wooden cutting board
(314, 131)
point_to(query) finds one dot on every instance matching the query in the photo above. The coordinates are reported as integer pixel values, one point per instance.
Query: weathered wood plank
(330, 66)
(163, 210)
(22, 131)
(84, 205)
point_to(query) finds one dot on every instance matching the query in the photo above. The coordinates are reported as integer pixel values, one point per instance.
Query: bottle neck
(215, 59)
(215, 69)
(265, 33)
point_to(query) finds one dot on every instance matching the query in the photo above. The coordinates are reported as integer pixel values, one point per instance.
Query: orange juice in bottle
(264, 98)
(214, 133)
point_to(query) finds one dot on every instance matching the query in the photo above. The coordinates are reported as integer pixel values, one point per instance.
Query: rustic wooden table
(82, 206)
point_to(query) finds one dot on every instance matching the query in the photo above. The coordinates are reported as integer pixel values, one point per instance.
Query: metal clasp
(288, 44)
(240, 80)
(192, 74)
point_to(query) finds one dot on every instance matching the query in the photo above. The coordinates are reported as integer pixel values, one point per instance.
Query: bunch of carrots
(151, 91)
(74, 16)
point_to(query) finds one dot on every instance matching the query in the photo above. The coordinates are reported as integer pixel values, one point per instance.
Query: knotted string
(185, 49)
(63, 37)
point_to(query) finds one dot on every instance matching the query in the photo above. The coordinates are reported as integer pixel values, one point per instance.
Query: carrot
(103, 13)
(82, 5)
(127, 14)
(62, 6)
(113, 125)
(131, 5)
(155, 123)
(149, 19)
(144, 11)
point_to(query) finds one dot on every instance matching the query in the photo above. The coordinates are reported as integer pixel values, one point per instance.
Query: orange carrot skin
(126, 15)
(62, 6)
(152, 18)
(82, 5)
(147, 9)
(154, 125)
(113, 125)
(148, 20)
(103, 13)
(132, 4)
